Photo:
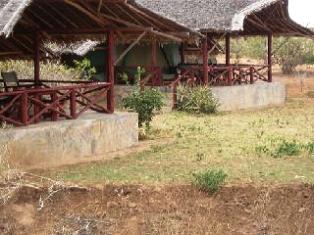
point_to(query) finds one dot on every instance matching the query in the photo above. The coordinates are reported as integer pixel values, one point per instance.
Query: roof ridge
(15, 17)
(238, 19)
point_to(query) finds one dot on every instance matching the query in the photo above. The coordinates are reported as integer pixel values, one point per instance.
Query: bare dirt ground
(179, 209)
(163, 209)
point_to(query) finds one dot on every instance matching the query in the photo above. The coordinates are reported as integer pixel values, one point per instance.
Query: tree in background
(288, 52)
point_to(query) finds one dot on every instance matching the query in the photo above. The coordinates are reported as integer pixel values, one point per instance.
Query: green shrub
(198, 99)
(210, 180)
(146, 103)
(85, 68)
(288, 148)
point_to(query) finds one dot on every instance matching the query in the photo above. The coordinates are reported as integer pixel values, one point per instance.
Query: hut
(223, 19)
(27, 24)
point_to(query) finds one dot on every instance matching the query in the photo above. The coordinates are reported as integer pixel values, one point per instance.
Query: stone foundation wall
(92, 136)
(261, 94)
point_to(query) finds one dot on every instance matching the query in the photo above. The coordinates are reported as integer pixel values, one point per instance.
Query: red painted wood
(182, 55)
(269, 55)
(37, 59)
(251, 75)
(110, 64)
(228, 49)
(73, 104)
(24, 109)
(205, 61)
(54, 98)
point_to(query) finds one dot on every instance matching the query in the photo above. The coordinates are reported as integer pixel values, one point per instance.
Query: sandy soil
(161, 210)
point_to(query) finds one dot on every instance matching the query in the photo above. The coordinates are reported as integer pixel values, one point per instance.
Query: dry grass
(227, 141)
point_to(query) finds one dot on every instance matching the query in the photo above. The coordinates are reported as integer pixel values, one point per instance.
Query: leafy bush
(279, 147)
(288, 148)
(146, 103)
(198, 99)
(85, 68)
(210, 180)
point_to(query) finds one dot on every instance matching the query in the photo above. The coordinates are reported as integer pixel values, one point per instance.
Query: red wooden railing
(219, 75)
(25, 105)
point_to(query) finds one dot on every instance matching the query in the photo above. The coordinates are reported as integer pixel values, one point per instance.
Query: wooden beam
(129, 48)
(110, 74)
(228, 51)
(86, 12)
(205, 61)
(37, 58)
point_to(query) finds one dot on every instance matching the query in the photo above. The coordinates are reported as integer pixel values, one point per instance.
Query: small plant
(146, 103)
(199, 99)
(124, 77)
(310, 148)
(138, 76)
(288, 148)
(85, 68)
(210, 180)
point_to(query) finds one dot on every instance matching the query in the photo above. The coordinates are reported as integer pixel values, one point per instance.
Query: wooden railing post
(55, 115)
(251, 75)
(230, 75)
(174, 96)
(73, 104)
(269, 57)
(24, 108)
(205, 61)
(110, 64)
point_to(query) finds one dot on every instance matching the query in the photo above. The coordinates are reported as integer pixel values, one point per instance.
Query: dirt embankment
(160, 210)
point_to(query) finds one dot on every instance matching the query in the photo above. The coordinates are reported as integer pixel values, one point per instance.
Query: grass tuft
(209, 181)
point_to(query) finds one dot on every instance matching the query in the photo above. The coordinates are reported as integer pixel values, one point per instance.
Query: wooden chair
(10, 80)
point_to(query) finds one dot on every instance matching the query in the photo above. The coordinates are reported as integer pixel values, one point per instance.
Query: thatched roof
(246, 16)
(78, 48)
(76, 20)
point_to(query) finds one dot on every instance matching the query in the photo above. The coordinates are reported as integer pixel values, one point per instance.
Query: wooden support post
(54, 115)
(73, 104)
(230, 76)
(251, 75)
(24, 108)
(110, 64)
(174, 96)
(205, 61)
(37, 43)
(228, 55)
(153, 62)
(182, 53)
(228, 51)
(269, 57)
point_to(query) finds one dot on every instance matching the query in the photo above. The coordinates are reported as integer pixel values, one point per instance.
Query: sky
(302, 11)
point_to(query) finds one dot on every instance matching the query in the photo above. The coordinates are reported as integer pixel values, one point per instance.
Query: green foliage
(85, 68)
(138, 76)
(292, 52)
(278, 148)
(210, 180)
(288, 52)
(146, 103)
(288, 148)
(198, 99)
(124, 77)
